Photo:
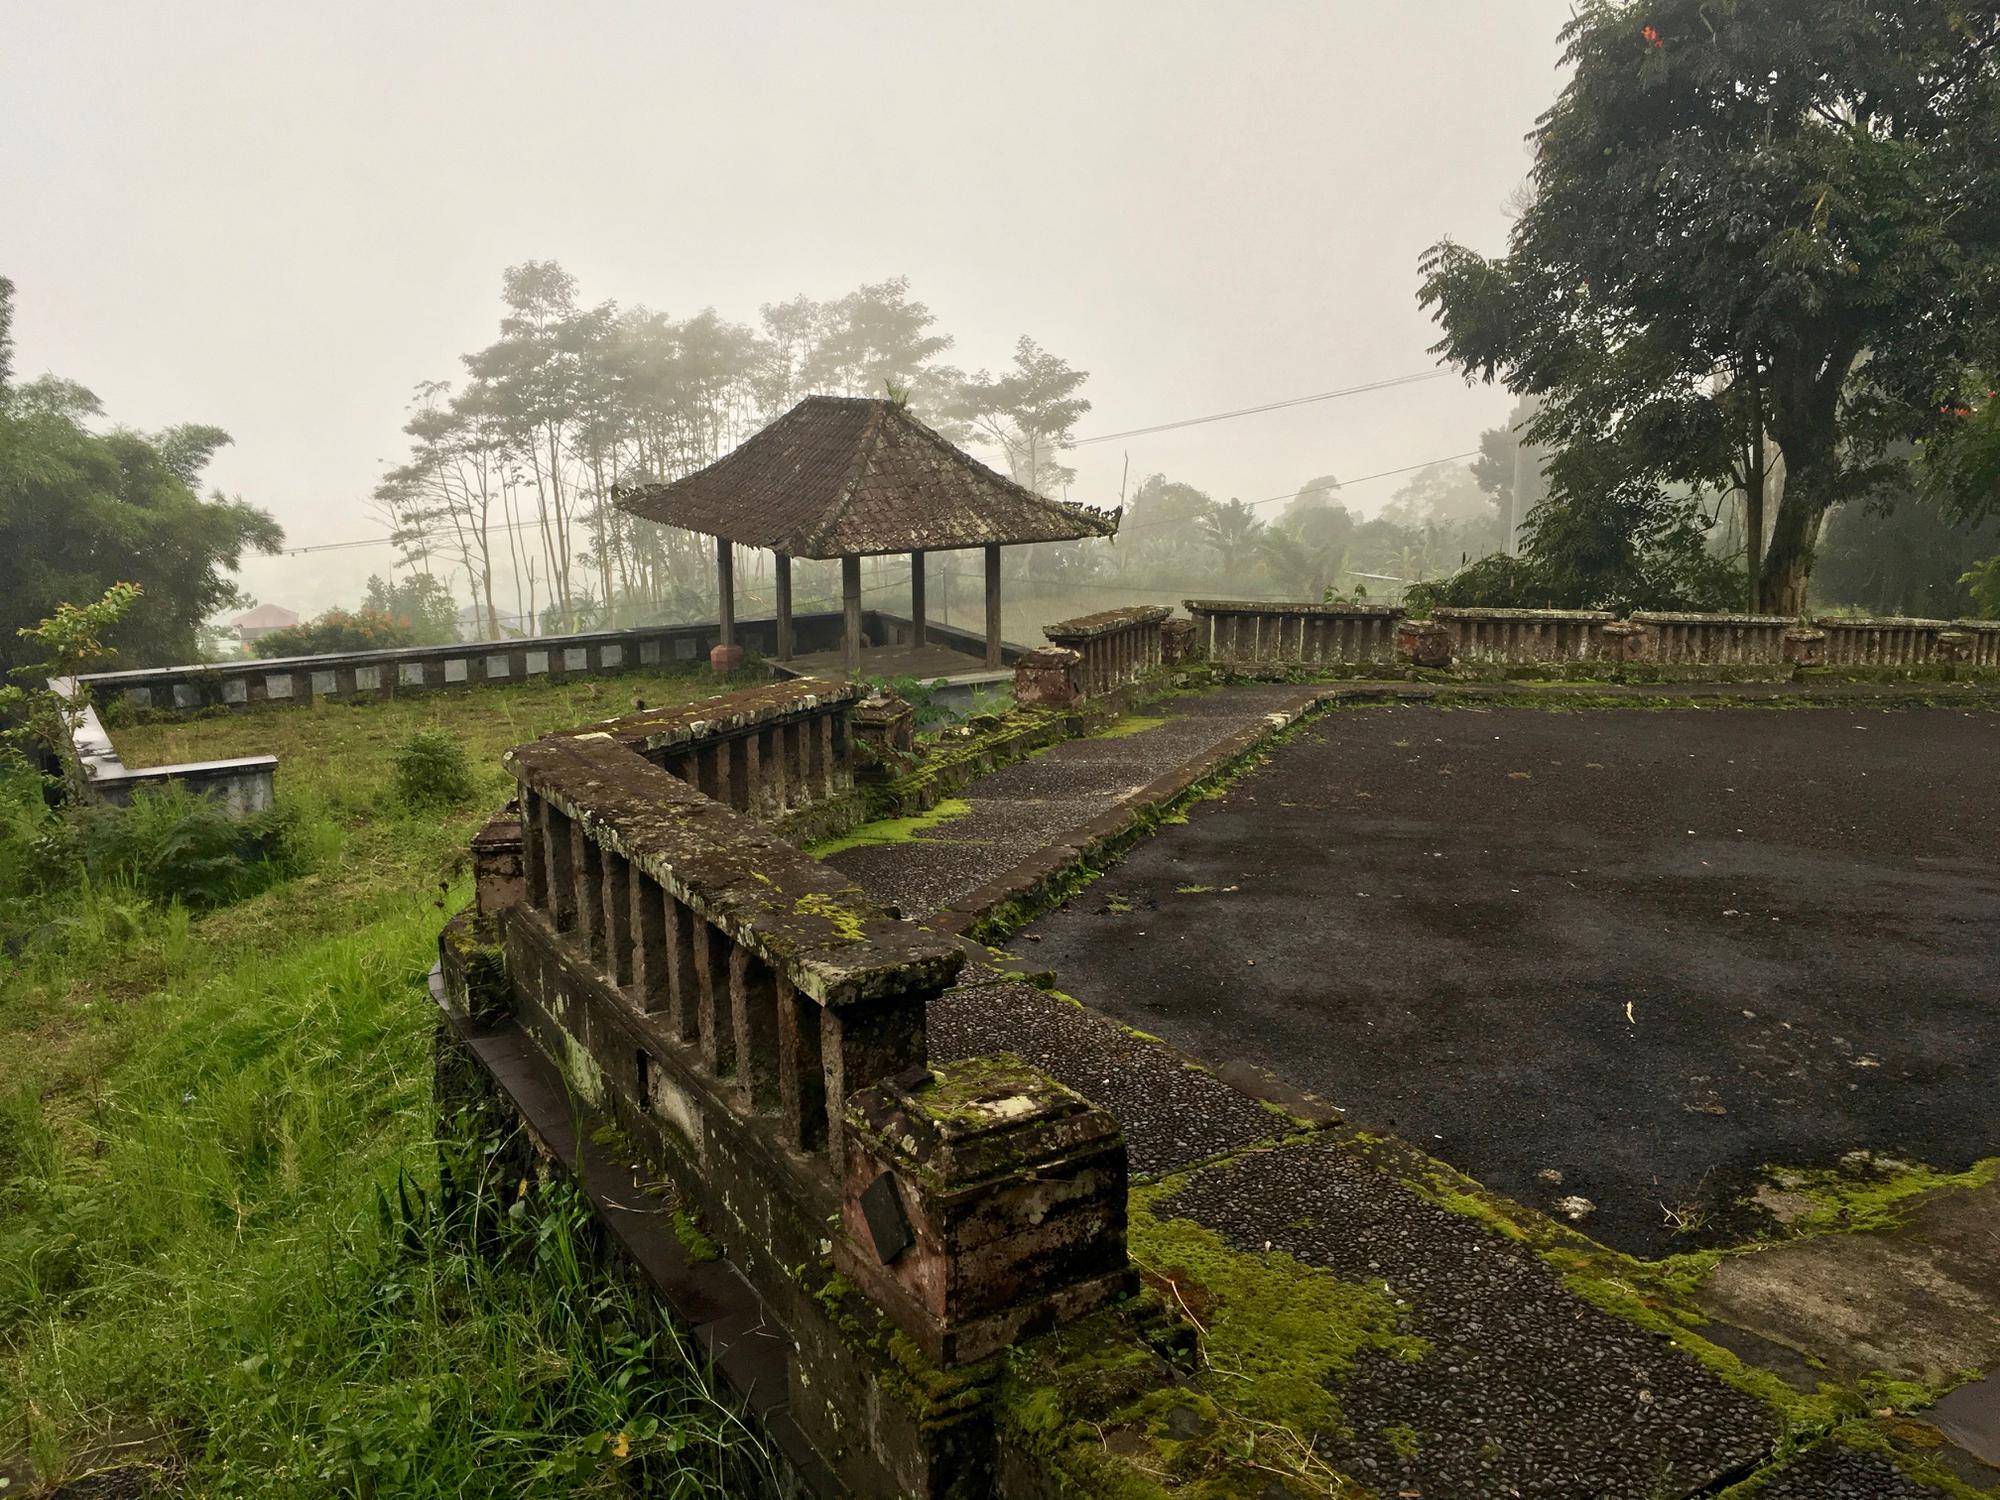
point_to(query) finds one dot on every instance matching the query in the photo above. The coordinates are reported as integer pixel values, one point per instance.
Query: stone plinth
(1424, 643)
(1047, 678)
(1621, 640)
(725, 659)
(1177, 641)
(887, 725)
(1805, 646)
(981, 1203)
(499, 876)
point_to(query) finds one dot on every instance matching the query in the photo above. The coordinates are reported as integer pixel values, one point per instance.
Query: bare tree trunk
(1753, 494)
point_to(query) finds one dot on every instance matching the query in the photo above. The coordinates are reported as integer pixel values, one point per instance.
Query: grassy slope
(195, 1116)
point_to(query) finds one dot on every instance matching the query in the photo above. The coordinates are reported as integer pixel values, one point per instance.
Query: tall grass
(203, 1111)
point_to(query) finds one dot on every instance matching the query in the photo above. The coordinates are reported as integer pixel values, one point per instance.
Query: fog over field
(280, 219)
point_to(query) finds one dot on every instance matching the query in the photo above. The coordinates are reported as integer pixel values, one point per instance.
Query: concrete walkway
(1525, 1390)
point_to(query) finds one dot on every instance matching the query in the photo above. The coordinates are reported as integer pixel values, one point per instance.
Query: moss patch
(694, 1239)
(1273, 1331)
(1131, 724)
(1868, 1192)
(893, 830)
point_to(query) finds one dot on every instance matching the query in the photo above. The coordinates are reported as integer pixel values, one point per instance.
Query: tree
(1440, 494)
(81, 511)
(419, 604)
(1027, 413)
(1511, 470)
(1235, 533)
(1905, 557)
(1755, 230)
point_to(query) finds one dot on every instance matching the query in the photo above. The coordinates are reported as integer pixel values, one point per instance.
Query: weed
(432, 770)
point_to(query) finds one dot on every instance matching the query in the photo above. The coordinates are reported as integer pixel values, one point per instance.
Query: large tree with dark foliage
(82, 510)
(1758, 229)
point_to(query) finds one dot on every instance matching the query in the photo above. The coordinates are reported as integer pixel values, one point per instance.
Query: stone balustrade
(1524, 635)
(1233, 632)
(1116, 646)
(727, 947)
(767, 751)
(744, 1012)
(1282, 635)
(1910, 643)
(1712, 640)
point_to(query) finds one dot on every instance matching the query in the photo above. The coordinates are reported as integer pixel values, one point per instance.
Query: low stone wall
(341, 677)
(1232, 632)
(1282, 635)
(757, 1030)
(243, 785)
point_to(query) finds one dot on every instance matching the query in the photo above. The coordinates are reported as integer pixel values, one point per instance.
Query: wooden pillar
(850, 604)
(725, 588)
(782, 577)
(918, 635)
(992, 606)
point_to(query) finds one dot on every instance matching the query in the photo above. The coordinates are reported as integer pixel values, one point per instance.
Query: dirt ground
(1631, 957)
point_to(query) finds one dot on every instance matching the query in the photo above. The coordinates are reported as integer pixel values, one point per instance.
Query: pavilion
(854, 477)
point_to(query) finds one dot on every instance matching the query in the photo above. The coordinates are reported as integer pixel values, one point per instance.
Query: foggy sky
(279, 218)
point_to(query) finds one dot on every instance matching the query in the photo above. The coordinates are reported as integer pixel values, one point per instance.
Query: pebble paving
(1174, 1114)
(1833, 1472)
(1022, 808)
(1525, 1390)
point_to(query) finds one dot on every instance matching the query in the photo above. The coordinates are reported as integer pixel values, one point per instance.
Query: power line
(1251, 411)
(1430, 463)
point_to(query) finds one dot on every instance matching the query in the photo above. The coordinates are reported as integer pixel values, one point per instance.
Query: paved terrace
(1439, 929)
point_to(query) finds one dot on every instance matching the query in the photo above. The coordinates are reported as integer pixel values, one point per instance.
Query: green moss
(1401, 1440)
(1866, 1195)
(1192, 890)
(1274, 1331)
(1117, 905)
(694, 1239)
(845, 920)
(1660, 1295)
(1131, 724)
(893, 830)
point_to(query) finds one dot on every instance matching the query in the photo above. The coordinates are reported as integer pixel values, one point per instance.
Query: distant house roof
(265, 617)
(838, 476)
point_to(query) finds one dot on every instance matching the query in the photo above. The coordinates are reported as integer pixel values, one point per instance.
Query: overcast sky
(278, 218)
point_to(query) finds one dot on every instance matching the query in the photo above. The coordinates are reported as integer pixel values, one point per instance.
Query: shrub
(432, 770)
(336, 630)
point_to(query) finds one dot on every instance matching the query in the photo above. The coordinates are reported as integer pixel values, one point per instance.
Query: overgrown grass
(197, 1113)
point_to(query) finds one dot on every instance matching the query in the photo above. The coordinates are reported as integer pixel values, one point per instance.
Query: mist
(280, 222)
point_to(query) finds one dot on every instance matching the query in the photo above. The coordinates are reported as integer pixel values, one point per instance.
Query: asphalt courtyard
(1630, 957)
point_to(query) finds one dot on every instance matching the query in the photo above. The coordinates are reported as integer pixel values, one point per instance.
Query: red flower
(1652, 36)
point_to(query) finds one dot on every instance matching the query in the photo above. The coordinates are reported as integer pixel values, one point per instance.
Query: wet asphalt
(1623, 956)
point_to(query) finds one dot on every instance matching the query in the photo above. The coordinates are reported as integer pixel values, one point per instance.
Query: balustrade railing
(1116, 646)
(755, 964)
(1245, 631)
(1524, 635)
(766, 751)
(1719, 640)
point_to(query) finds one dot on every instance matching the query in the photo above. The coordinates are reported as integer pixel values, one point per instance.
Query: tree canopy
(82, 510)
(1760, 254)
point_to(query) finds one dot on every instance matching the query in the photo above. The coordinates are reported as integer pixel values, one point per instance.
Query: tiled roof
(266, 615)
(841, 475)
